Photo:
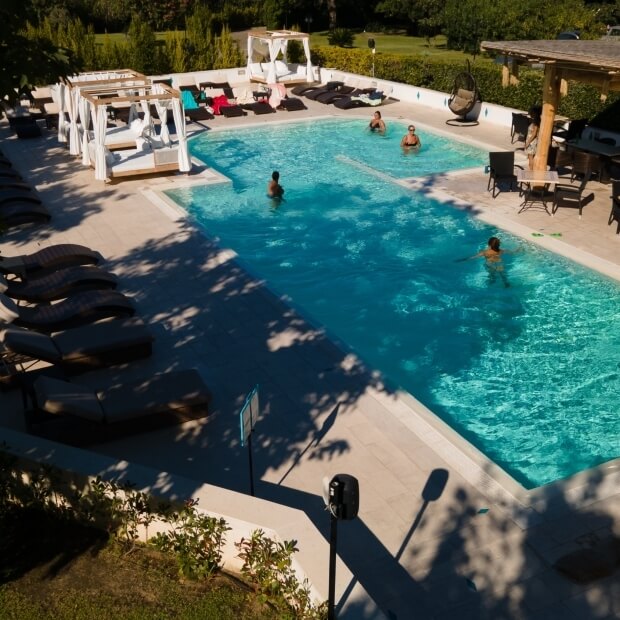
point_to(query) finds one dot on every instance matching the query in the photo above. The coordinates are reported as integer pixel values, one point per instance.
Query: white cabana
(271, 44)
(68, 95)
(152, 153)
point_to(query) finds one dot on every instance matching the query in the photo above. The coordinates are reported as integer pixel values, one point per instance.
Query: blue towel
(189, 103)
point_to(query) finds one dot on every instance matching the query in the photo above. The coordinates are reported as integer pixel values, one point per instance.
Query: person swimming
(492, 255)
(274, 189)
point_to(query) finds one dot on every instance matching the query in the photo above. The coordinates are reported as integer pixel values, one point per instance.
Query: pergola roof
(599, 59)
(270, 35)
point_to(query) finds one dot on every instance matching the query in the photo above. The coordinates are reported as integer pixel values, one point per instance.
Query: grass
(398, 43)
(60, 570)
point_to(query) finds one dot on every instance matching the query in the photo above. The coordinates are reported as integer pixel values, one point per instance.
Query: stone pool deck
(421, 549)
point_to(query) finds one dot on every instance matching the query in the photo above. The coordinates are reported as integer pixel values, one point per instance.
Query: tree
(426, 16)
(24, 62)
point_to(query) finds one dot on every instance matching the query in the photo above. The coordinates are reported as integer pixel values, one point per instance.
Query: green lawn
(390, 43)
(402, 44)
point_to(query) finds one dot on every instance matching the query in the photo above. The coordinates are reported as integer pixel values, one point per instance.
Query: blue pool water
(529, 373)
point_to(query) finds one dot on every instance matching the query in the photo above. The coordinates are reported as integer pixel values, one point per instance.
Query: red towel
(221, 101)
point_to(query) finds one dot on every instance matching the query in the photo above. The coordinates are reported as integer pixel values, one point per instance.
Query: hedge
(582, 101)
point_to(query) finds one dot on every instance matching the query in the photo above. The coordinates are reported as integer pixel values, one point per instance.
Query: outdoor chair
(73, 351)
(501, 170)
(571, 195)
(614, 216)
(560, 157)
(583, 163)
(49, 259)
(520, 125)
(80, 416)
(572, 132)
(79, 309)
(59, 284)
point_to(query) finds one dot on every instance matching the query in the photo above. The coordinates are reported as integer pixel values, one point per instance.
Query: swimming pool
(529, 373)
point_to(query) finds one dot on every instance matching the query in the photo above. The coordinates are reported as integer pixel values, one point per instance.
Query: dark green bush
(582, 101)
(342, 37)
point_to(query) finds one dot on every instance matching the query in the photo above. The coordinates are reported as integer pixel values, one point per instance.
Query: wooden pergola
(589, 62)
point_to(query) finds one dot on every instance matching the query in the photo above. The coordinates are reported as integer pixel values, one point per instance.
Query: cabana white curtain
(58, 97)
(72, 99)
(84, 110)
(179, 123)
(273, 45)
(100, 123)
(162, 111)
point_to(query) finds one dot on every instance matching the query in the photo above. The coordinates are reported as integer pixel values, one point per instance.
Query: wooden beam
(505, 74)
(550, 97)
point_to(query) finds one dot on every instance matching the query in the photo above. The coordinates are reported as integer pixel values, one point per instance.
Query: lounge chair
(7, 172)
(76, 350)
(501, 169)
(79, 309)
(18, 195)
(59, 284)
(80, 416)
(292, 104)
(13, 183)
(313, 93)
(258, 107)
(347, 102)
(18, 213)
(198, 114)
(49, 259)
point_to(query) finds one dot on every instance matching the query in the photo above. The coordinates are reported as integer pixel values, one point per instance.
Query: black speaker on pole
(371, 44)
(344, 496)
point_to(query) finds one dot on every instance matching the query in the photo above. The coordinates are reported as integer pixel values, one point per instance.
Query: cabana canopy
(161, 156)
(270, 44)
(590, 62)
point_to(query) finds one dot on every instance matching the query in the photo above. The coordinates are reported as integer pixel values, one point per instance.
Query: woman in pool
(410, 141)
(493, 260)
(274, 189)
(377, 123)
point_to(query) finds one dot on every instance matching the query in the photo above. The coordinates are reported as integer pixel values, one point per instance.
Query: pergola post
(551, 97)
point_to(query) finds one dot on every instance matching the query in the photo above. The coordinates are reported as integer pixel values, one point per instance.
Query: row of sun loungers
(19, 203)
(342, 96)
(35, 352)
(207, 100)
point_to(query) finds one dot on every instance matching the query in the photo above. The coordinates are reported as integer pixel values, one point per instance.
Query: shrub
(268, 565)
(342, 37)
(582, 101)
(196, 540)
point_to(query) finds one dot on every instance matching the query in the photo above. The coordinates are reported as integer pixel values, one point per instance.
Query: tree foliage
(25, 61)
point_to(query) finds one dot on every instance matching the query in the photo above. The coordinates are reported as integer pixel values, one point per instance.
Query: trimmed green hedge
(582, 101)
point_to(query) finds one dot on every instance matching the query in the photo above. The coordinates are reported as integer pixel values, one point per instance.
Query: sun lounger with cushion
(292, 104)
(75, 350)
(49, 259)
(78, 415)
(79, 309)
(58, 284)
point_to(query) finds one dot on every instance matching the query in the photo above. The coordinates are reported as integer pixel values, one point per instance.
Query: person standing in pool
(493, 260)
(410, 140)
(274, 189)
(377, 123)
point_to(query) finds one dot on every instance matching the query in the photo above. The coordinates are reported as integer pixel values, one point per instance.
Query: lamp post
(342, 498)
(371, 45)
(308, 21)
